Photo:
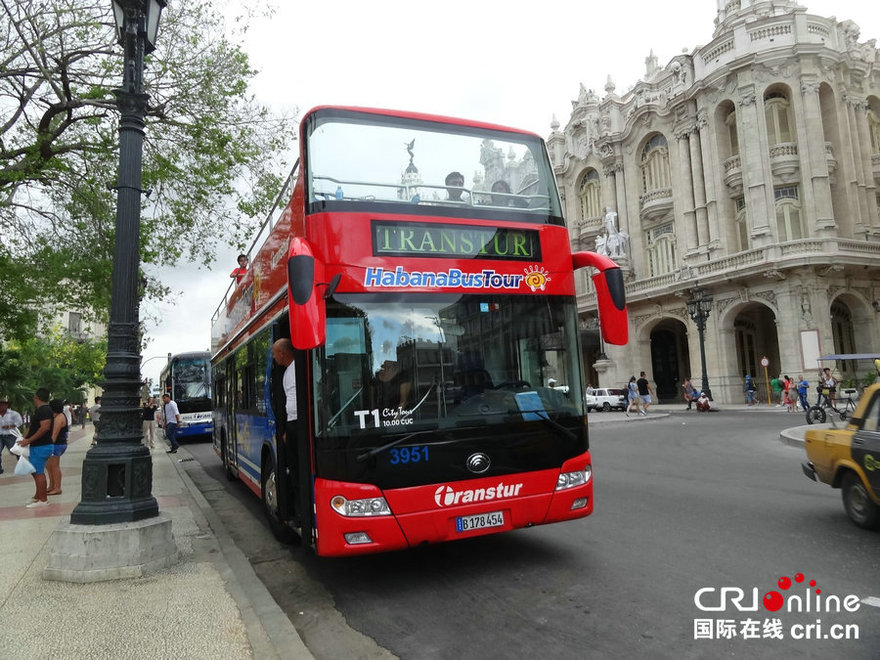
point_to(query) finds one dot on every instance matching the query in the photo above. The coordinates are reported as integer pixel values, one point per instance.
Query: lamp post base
(90, 553)
(117, 480)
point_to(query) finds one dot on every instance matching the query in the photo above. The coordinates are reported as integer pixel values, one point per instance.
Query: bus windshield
(191, 379)
(356, 161)
(408, 362)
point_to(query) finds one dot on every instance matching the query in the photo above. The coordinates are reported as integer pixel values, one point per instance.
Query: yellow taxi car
(849, 459)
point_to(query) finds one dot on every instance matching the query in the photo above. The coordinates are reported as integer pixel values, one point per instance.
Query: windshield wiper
(544, 417)
(378, 450)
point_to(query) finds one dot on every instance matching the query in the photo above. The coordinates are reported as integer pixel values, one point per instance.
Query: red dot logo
(773, 601)
(799, 577)
(784, 583)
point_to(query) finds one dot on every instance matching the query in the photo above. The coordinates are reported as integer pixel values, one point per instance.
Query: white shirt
(289, 384)
(171, 412)
(11, 419)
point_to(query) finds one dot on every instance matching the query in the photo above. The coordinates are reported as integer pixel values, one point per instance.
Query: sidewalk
(209, 605)
(793, 435)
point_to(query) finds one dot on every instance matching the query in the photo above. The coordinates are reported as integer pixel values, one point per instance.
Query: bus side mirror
(308, 310)
(610, 295)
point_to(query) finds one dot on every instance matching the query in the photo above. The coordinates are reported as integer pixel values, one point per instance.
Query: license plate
(479, 521)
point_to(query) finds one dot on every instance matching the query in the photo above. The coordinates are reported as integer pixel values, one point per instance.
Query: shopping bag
(20, 450)
(24, 467)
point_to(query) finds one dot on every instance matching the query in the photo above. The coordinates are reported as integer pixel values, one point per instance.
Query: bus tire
(269, 488)
(816, 415)
(858, 503)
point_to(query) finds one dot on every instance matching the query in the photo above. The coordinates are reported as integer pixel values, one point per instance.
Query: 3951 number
(405, 455)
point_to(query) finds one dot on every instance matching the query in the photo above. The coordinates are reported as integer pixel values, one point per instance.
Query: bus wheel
(270, 501)
(816, 415)
(858, 504)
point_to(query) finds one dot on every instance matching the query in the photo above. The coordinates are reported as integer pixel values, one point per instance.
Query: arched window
(590, 196)
(742, 224)
(661, 250)
(777, 114)
(788, 213)
(655, 164)
(732, 135)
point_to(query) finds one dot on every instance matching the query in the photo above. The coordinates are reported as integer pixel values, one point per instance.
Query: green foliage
(213, 156)
(869, 377)
(57, 361)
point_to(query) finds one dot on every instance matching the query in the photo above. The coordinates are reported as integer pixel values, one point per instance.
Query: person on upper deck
(239, 272)
(455, 188)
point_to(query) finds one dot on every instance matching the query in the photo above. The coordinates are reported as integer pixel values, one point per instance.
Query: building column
(709, 154)
(689, 211)
(755, 167)
(868, 195)
(811, 144)
(703, 237)
(857, 189)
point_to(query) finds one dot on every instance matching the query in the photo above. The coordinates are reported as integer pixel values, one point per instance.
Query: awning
(850, 356)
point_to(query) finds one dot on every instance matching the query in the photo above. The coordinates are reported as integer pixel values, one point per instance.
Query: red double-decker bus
(422, 270)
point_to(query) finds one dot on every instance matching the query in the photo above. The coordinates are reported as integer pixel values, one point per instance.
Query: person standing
(750, 391)
(645, 392)
(776, 387)
(60, 430)
(171, 419)
(39, 439)
(9, 421)
(292, 455)
(802, 386)
(828, 386)
(148, 413)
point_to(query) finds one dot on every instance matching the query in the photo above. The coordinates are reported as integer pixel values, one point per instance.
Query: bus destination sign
(462, 241)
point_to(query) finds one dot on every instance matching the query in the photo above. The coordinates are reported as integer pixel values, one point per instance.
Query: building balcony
(784, 160)
(655, 203)
(733, 175)
(875, 165)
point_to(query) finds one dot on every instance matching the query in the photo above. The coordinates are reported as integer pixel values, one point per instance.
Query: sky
(515, 64)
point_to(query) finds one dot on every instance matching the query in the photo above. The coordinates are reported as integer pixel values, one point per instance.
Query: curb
(269, 630)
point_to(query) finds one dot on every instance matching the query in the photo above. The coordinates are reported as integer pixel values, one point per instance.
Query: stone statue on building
(612, 243)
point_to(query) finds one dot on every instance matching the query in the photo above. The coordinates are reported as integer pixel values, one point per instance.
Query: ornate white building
(749, 167)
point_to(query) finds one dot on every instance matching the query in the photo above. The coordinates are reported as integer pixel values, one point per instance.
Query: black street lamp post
(117, 473)
(698, 306)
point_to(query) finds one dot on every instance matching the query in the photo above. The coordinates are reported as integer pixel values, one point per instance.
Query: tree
(55, 361)
(213, 156)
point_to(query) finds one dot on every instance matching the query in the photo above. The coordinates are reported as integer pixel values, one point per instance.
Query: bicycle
(817, 415)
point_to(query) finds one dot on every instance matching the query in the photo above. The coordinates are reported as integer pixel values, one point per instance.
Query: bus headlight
(371, 506)
(572, 479)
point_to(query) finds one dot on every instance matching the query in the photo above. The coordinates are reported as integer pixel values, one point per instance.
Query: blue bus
(187, 378)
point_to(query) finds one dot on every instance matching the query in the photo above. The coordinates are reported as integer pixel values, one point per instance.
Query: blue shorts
(59, 449)
(38, 457)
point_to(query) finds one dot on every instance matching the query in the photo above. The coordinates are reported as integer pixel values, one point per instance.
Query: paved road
(682, 503)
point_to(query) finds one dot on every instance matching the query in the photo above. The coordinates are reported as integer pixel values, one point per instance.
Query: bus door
(294, 471)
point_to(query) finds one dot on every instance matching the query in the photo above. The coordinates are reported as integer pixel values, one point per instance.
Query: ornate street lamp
(698, 307)
(117, 475)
